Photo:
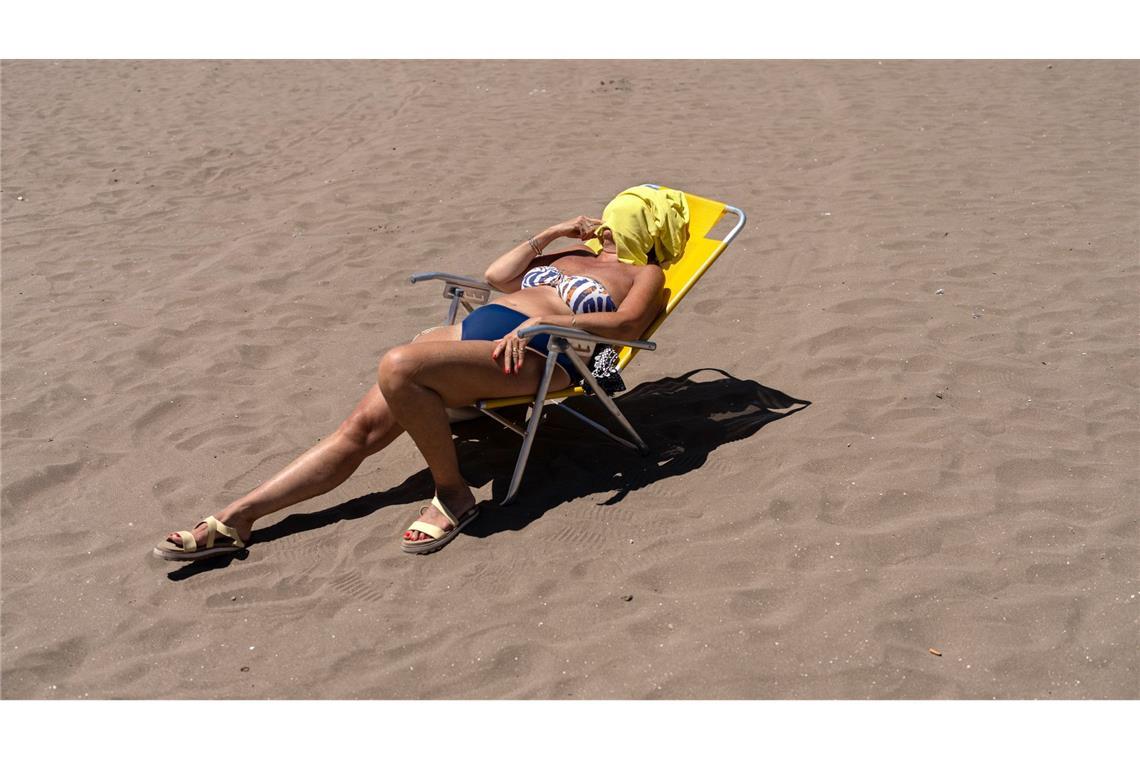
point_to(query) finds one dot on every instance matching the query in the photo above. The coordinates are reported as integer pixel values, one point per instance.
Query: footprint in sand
(614, 85)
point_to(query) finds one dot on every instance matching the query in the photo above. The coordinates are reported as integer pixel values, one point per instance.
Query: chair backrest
(701, 251)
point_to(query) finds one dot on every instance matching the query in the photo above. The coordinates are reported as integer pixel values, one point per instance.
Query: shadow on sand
(681, 420)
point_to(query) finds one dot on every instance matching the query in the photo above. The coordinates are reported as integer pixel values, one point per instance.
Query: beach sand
(204, 261)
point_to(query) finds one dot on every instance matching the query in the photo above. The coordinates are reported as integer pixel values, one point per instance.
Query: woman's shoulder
(650, 272)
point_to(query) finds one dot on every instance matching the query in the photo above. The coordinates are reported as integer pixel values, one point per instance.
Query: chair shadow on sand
(681, 420)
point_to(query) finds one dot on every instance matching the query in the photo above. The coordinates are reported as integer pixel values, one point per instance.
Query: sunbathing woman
(612, 287)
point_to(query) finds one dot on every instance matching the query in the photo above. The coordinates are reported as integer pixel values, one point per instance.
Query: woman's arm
(505, 274)
(641, 306)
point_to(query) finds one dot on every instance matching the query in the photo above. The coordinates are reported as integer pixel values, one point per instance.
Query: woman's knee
(397, 366)
(371, 425)
(358, 429)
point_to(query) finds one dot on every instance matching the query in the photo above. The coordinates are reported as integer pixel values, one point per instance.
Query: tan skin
(418, 381)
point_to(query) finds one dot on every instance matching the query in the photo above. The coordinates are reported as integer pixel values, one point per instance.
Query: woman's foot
(442, 520)
(219, 539)
(432, 516)
(244, 528)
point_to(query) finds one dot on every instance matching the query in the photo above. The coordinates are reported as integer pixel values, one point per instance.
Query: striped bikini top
(582, 294)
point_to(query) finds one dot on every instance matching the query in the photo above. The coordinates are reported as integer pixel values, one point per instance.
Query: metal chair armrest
(457, 279)
(459, 290)
(573, 333)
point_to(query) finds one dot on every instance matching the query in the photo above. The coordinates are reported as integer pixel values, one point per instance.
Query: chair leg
(504, 422)
(532, 424)
(607, 402)
(452, 309)
(600, 428)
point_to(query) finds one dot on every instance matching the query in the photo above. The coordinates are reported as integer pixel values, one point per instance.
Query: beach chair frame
(470, 293)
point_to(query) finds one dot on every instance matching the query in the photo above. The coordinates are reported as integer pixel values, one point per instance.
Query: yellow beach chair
(681, 275)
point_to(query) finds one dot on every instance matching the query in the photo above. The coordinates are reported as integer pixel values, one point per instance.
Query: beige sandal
(189, 549)
(439, 536)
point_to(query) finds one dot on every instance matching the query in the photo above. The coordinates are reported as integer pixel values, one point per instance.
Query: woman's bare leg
(369, 429)
(420, 381)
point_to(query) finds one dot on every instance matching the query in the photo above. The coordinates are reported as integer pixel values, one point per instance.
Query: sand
(204, 261)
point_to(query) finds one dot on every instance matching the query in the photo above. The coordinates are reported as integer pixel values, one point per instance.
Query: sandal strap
(214, 525)
(432, 530)
(435, 502)
(188, 542)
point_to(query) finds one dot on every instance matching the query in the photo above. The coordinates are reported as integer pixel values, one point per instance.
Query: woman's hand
(510, 350)
(581, 227)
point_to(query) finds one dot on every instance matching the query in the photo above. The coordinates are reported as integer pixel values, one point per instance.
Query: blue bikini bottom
(492, 321)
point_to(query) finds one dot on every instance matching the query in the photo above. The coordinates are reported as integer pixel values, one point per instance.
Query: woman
(612, 287)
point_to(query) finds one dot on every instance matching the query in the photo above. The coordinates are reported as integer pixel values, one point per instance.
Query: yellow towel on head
(643, 217)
